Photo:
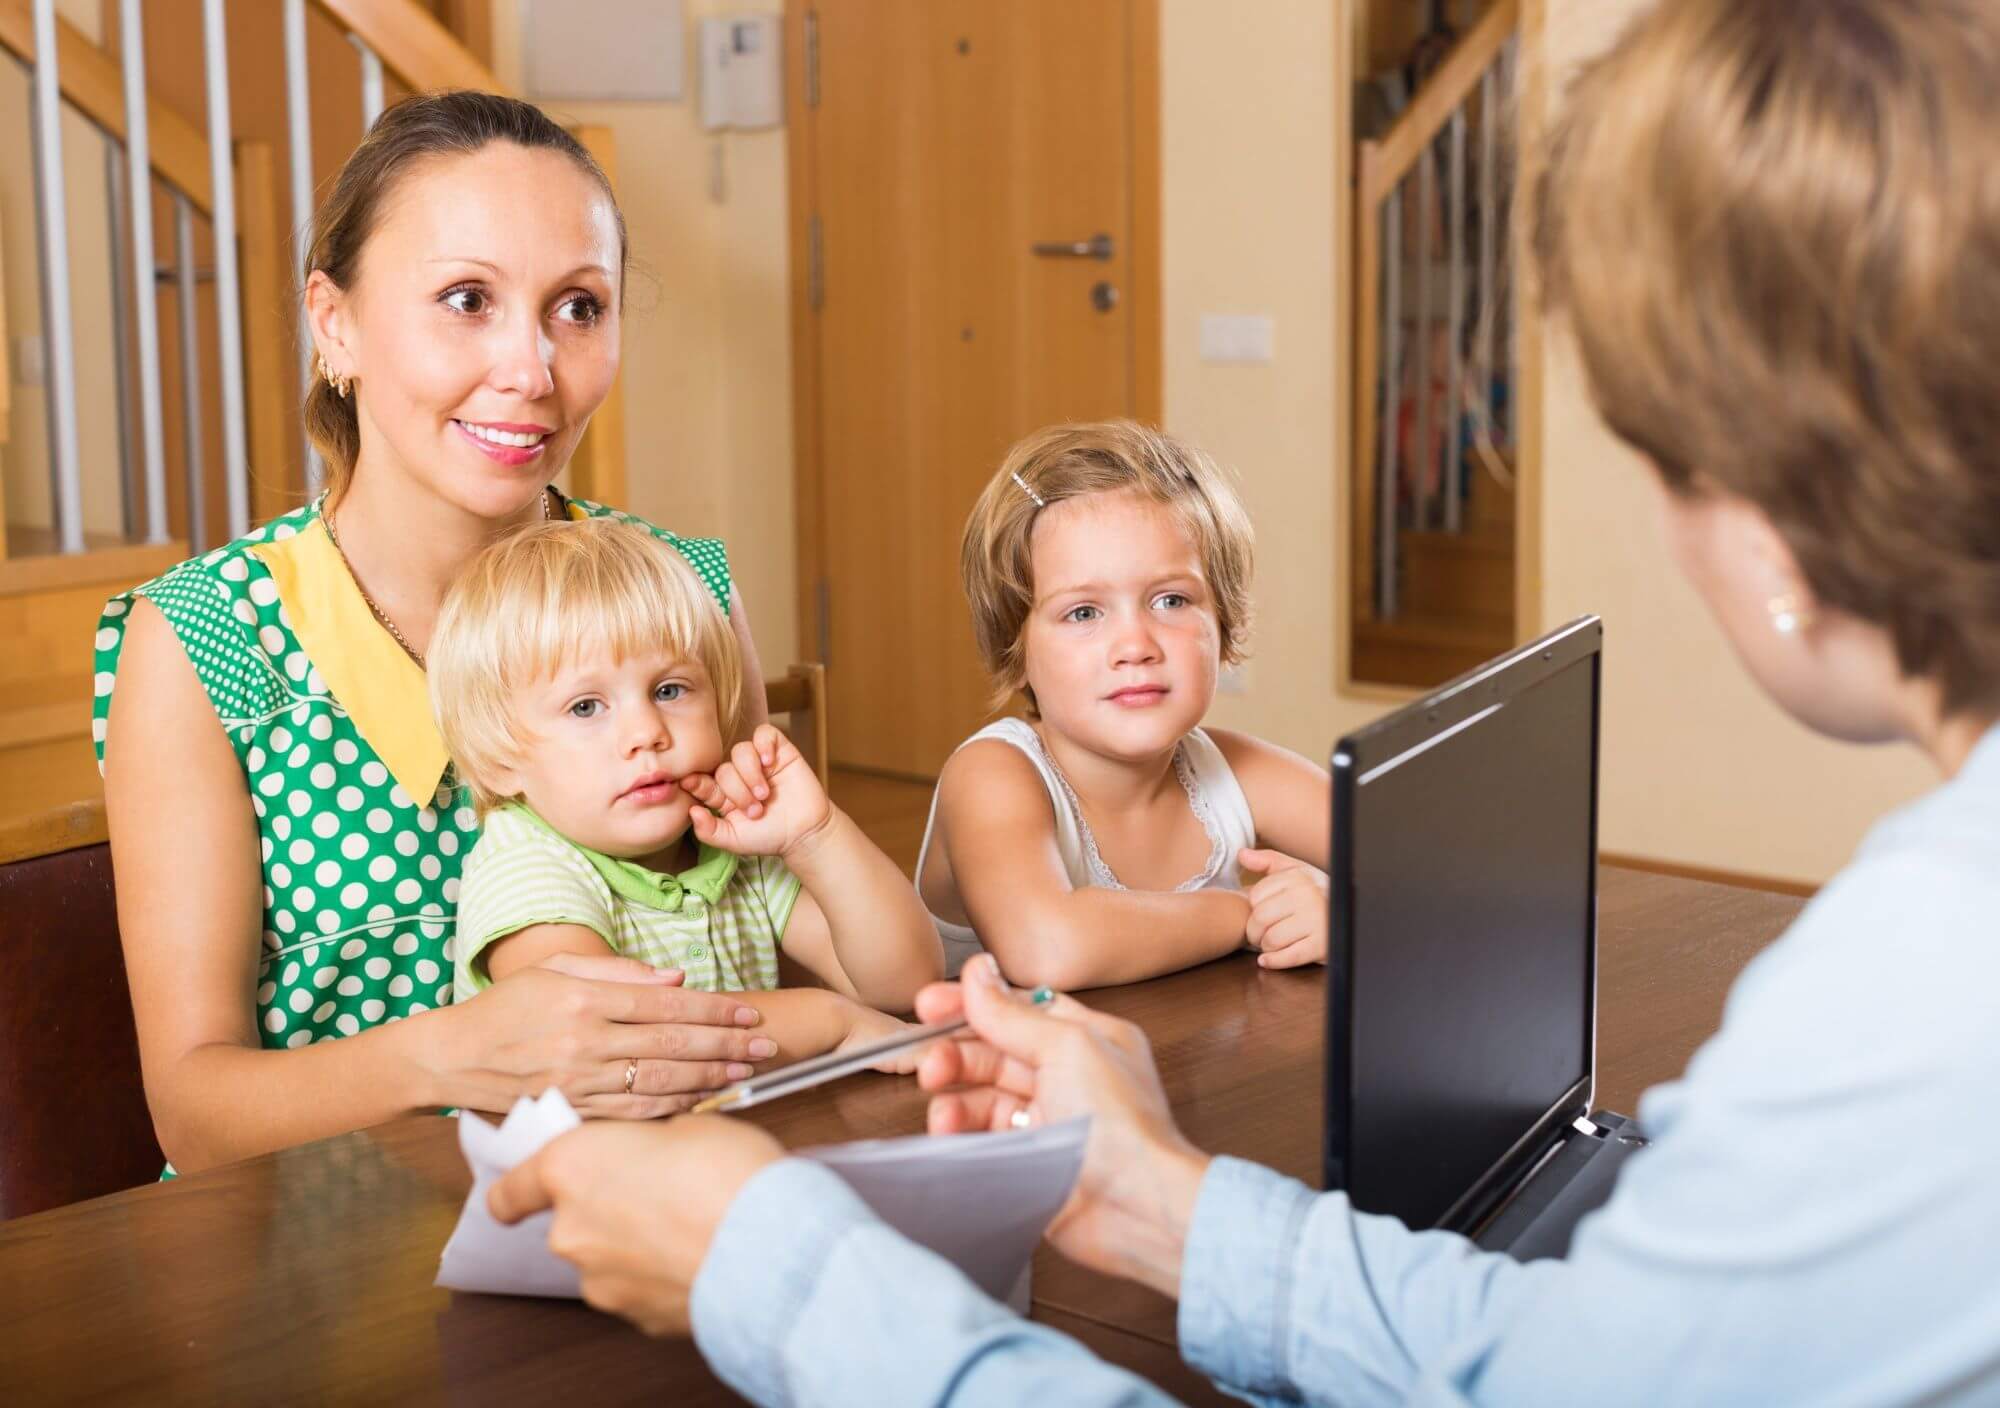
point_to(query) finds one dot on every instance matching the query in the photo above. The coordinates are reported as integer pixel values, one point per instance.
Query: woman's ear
(1771, 566)
(327, 316)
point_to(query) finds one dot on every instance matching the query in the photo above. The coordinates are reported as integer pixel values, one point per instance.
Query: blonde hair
(1068, 462)
(1775, 230)
(552, 592)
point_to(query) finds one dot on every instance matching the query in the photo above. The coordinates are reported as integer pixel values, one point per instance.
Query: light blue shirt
(1818, 1219)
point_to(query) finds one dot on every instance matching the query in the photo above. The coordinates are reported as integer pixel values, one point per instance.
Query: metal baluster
(1454, 400)
(1392, 402)
(58, 334)
(191, 448)
(298, 107)
(371, 81)
(1422, 462)
(1489, 220)
(228, 281)
(1510, 59)
(145, 294)
(121, 372)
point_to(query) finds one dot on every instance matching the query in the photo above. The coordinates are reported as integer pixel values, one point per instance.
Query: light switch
(1236, 338)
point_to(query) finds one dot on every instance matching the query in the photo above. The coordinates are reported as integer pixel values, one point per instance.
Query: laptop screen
(1461, 1001)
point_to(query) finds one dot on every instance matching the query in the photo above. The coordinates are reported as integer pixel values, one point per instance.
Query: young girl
(590, 689)
(1103, 838)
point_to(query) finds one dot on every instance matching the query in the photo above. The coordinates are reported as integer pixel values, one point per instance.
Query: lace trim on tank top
(1197, 795)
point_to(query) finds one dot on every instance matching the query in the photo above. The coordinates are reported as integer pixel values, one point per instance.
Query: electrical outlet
(1232, 338)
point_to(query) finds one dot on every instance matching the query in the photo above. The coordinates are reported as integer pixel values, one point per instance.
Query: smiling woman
(287, 828)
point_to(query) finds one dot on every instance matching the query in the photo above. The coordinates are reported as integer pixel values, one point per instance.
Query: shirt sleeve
(1814, 1221)
(806, 1298)
(516, 877)
(777, 891)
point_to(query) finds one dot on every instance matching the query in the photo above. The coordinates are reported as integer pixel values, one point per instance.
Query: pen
(805, 1075)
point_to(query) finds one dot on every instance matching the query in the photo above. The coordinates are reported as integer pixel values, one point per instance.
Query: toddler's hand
(764, 800)
(1288, 919)
(870, 1025)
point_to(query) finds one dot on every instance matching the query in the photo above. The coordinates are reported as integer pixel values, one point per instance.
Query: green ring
(1042, 995)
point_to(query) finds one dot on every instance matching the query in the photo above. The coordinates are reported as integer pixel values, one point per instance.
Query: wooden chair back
(75, 1123)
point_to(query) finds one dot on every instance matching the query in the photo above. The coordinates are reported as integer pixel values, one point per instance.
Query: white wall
(1699, 767)
(707, 338)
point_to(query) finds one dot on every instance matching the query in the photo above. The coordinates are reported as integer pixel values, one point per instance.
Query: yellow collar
(381, 687)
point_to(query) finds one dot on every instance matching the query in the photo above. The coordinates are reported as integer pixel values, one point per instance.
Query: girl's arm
(999, 836)
(1291, 798)
(184, 844)
(858, 925)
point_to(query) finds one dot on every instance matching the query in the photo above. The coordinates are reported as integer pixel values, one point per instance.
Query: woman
(464, 298)
(1775, 230)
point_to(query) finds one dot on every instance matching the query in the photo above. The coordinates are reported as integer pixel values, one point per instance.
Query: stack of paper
(980, 1201)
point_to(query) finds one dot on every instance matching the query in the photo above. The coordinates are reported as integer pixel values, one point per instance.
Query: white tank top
(1213, 795)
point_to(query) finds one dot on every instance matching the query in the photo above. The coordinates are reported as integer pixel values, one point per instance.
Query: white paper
(482, 1255)
(981, 1201)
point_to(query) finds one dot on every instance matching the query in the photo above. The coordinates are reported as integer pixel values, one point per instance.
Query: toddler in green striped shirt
(588, 688)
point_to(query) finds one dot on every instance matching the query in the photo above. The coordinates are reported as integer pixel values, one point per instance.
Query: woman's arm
(999, 836)
(1291, 798)
(185, 851)
(799, 1022)
(184, 845)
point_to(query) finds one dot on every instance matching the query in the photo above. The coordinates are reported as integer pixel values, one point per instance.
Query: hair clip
(1039, 501)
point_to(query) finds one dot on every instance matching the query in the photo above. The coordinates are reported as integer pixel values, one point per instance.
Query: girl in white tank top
(1108, 569)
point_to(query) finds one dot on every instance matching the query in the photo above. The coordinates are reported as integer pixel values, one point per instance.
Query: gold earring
(1789, 615)
(338, 383)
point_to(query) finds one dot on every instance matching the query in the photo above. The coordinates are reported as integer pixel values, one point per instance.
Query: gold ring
(631, 1074)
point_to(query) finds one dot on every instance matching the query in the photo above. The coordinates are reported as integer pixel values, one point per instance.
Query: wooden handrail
(1385, 162)
(93, 82)
(413, 45)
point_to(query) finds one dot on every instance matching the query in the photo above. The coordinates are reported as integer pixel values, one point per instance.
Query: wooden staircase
(1457, 608)
(50, 601)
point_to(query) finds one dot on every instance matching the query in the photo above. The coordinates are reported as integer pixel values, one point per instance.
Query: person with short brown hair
(1105, 837)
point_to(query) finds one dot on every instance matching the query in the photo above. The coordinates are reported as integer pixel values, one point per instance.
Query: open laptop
(1462, 967)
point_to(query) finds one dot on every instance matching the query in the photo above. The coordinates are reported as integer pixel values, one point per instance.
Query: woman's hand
(1288, 910)
(765, 799)
(575, 1023)
(636, 1206)
(1058, 1060)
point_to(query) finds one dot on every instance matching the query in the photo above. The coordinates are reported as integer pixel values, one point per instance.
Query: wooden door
(949, 137)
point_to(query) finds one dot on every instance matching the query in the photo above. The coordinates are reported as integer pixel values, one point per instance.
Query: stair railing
(226, 182)
(1409, 440)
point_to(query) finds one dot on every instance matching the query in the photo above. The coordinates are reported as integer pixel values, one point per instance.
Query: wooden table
(306, 1276)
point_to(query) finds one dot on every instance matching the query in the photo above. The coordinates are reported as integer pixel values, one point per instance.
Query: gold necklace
(548, 516)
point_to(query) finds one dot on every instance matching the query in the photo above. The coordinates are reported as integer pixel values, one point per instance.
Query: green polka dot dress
(360, 878)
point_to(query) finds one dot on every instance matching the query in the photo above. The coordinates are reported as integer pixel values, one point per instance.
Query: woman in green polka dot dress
(287, 881)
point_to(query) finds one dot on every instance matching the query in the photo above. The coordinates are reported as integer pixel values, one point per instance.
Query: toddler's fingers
(738, 790)
(703, 788)
(770, 741)
(750, 765)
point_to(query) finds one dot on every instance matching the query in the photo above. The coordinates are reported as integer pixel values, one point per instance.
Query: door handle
(1098, 246)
